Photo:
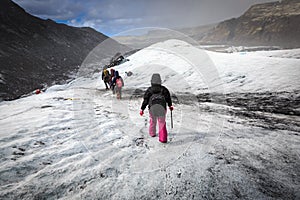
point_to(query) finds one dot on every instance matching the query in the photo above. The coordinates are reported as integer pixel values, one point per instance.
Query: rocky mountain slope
(36, 52)
(275, 23)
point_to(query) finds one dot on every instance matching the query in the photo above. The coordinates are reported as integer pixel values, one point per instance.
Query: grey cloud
(54, 9)
(117, 15)
(197, 12)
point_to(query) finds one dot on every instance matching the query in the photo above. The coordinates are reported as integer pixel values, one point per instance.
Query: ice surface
(77, 141)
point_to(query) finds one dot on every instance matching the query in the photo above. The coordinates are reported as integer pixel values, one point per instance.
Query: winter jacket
(112, 72)
(156, 89)
(105, 75)
(114, 80)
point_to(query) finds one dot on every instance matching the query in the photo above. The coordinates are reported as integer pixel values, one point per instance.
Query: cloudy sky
(112, 17)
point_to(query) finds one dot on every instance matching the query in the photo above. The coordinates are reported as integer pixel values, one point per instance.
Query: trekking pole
(171, 120)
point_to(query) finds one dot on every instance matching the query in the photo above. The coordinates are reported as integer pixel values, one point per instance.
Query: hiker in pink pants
(162, 129)
(157, 97)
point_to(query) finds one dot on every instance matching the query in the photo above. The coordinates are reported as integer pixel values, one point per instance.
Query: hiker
(112, 75)
(157, 97)
(118, 83)
(106, 78)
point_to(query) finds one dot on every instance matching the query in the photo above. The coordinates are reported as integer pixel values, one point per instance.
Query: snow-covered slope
(76, 141)
(289, 53)
(185, 68)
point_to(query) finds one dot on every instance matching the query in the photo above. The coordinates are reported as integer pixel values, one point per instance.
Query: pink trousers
(163, 135)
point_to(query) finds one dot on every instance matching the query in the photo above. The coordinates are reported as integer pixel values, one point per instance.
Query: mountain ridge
(273, 23)
(35, 52)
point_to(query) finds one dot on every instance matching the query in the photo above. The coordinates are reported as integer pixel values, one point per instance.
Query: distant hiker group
(113, 81)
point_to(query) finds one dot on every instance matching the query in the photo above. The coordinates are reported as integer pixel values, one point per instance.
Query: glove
(171, 108)
(141, 112)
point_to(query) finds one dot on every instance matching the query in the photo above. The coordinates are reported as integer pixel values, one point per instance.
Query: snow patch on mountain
(185, 68)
